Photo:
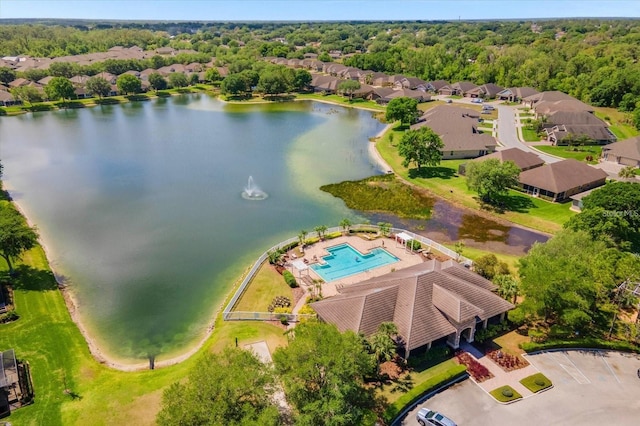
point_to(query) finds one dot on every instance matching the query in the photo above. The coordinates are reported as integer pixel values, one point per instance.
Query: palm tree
(388, 329)
(302, 236)
(320, 230)
(345, 224)
(383, 347)
(385, 227)
(627, 172)
(508, 287)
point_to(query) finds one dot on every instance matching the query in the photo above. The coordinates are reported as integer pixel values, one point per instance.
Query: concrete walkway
(500, 377)
(508, 124)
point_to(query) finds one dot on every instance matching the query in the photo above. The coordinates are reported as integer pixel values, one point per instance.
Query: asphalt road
(590, 388)
(508, 135)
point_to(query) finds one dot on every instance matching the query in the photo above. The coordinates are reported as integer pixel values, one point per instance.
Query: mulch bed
(479, 372)
(298, 293)
(506, 361)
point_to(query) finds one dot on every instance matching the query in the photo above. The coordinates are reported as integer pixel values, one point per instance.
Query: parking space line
(609, 367)
(576, 367)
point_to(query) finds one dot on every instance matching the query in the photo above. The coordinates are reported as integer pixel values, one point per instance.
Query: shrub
(306, 310)
(9, 316)
(588, 342)
(478, 371)
(505, 394)
(282, 310)
(414, 245)
(290, 279)
(279, 302)
(536, 382)
(490, 332)
(432, 356)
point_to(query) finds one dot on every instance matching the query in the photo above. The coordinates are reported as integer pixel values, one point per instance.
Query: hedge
(290, 279)
(417, 391)
(589, 342)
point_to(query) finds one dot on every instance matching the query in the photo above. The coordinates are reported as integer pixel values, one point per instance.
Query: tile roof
(425, 301)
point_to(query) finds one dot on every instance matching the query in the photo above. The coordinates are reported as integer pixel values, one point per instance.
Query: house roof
(457, 127)
(629, 148)
(570, 105)
(438, 84)
(596, 133)
(562, 176)
(551, 96)
(580, 117)
(464, 86)
(425, 301)
(488, 89)
(523, 159)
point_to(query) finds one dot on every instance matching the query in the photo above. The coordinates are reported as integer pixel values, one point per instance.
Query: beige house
(626, 152)
(559, 181)
(458, 129)
(523, 159)
(428, 302)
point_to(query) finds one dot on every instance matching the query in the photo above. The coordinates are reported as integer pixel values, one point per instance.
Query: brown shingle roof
(629, 148)
(562, 176)
(425, 301)
(524, 160)
(457, 127)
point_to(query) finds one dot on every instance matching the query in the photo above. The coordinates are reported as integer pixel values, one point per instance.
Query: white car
(429, 417)
(476, 101)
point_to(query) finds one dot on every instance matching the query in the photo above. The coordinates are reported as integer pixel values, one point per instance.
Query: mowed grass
(414, 378)
(530, 135)
(444, 181)
(59, 357)
(341, 100)
(580, 153)
(620, 124)
(264, 286)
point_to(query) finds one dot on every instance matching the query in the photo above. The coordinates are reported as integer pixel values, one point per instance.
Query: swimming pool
(344, 261)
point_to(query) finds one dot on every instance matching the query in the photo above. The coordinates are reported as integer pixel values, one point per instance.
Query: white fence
(229, 315)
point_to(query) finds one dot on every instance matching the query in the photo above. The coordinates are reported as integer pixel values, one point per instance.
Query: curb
(424, 397)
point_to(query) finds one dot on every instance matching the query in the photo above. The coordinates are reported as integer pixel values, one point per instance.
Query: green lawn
(264, 286)
(505, 394)
(536, 382)
(530, 135)
(618, 120)
(445, 182)
(341, 100)
(59, 357)
(580, 153)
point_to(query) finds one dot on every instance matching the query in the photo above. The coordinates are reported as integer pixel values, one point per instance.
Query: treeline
(595, 61)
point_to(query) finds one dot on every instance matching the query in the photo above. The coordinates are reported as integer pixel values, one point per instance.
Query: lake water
(141, 209)
(140, 204)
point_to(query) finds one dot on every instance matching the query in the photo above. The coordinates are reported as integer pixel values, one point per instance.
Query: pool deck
(318, 250)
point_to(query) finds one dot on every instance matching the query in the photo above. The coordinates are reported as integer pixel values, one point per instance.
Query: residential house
(559, 181)
(626, 152)
(19, 82)
(563, 125)
(548, 96)
(111, 78)
(516, 94)
(384, 95)
(411, 83)
(523, 159)
(431, 302)
(458, 129)
(7, 99)
(44, 81)
(486, 91)
(436, 85)
(324, 83)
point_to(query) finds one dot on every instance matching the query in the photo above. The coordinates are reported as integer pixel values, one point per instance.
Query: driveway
(508, 134)
(590, 388)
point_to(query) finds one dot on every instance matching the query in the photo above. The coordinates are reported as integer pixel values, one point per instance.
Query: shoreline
(94, 348)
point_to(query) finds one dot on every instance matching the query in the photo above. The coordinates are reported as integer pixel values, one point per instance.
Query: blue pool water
(345, 261)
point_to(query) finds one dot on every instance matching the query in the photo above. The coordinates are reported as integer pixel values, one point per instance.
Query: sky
(314, 10)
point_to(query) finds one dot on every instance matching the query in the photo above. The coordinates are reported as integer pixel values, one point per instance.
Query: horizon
(292, 11)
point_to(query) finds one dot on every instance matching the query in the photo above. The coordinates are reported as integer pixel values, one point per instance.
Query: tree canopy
(59, 88)
(98, 86)
(16, 236)
(611, 213)
(403, 109)
(491, 178)
(230, 388)
(422, 147)
(323, 374)
(348, 87)
(157, 81)
(128, 84)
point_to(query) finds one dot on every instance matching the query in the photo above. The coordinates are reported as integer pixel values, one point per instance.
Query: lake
(140, 205)
(141, 210)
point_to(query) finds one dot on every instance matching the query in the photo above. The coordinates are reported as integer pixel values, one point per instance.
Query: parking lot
(590, 388)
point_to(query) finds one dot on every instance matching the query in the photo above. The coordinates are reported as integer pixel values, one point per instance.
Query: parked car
(426, 416)
(476, 101)
(488, 107)
(448, 101)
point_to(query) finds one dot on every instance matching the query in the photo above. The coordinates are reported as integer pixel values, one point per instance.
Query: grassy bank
(264, 286)
(445, 182)
(341, 100)
(47, 338)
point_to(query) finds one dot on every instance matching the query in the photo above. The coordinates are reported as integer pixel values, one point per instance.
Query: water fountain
(253, 192)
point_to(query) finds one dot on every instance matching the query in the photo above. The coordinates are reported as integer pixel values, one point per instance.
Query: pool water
(345, 261)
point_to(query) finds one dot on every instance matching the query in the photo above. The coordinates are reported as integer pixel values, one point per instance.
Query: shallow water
(140, 204)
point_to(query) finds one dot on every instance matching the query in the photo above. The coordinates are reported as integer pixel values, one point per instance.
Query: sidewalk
(501, 377)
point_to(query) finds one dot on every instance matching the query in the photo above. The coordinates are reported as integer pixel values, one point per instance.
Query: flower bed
(506, 361)
(479, 372)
